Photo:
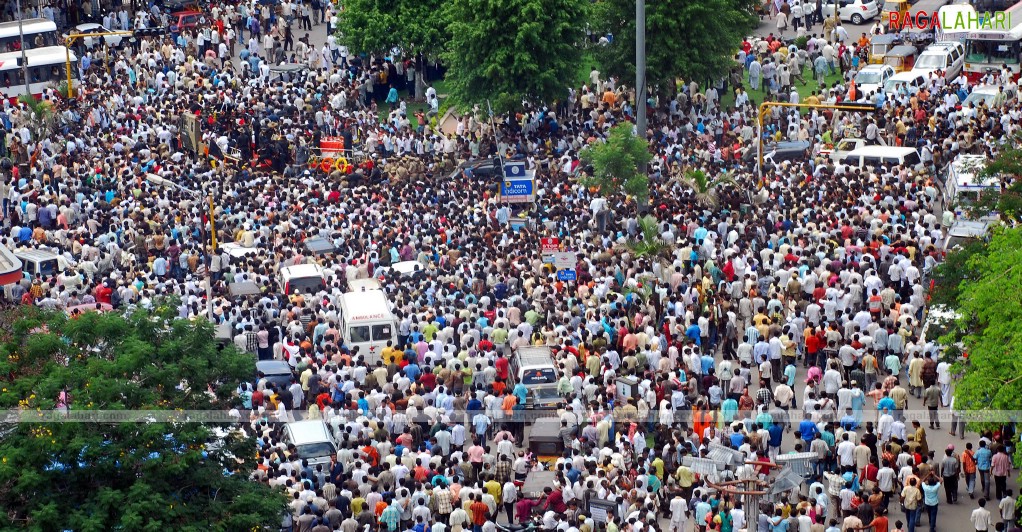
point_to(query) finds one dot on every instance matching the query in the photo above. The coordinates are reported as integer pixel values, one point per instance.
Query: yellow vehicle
(879, 45)
(896, 10)
(902, 57)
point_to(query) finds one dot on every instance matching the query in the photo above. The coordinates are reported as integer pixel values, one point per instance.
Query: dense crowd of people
(783, 315)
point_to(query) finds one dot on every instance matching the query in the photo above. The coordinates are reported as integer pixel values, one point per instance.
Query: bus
(987, 50)
(46, 67)
(39, 33)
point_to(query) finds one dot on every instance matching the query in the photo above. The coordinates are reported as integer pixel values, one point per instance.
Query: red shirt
(503, 368)
(812, 344)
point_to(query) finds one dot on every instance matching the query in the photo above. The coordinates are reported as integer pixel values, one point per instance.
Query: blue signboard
(566, 275)
(516, 190)
(514, 170)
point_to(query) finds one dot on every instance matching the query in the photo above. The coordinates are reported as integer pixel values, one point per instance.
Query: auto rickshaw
(879, 46)
(901, 57)
(894, 10)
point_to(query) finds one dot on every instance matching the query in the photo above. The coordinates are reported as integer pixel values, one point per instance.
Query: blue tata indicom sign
(566, 275)
(517, 190)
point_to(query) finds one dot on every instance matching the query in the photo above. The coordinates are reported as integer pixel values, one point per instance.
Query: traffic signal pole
(75, 36)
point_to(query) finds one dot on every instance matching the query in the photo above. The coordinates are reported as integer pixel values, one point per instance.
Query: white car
(872, 77)
(988, 95)
(238, 251)
(112, 41)
(913, 82)
(854, 11)
(947, 57)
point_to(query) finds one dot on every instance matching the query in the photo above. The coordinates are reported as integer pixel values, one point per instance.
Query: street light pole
(640, 68)
(24, 58)
(640, 85)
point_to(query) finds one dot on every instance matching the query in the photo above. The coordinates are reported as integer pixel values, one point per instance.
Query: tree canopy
(990, 327)
(1008, 167)
(508, 51)
(693, 39)
(616, 163)
(372, 26)
(90, 476)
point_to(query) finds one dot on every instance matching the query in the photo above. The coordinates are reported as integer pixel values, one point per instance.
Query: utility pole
(640, 80)
(640, 68)
(24, 58)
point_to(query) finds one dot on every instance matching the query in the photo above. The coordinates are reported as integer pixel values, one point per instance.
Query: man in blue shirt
(848, 421)
(983, 458)
(808, 430)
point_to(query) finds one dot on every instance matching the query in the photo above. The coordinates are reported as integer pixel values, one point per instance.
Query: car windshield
(979, 99)
(956, 241)
(541, 392)
(316, 450)
(930, 61)
(871, 77)
(892, 84)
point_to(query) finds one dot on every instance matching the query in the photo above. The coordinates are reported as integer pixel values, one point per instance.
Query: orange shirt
(479, 512)
(508, 404)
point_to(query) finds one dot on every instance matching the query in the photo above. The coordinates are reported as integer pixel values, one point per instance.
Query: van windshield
(316, 450)
(539, 376)
(48, 267)
(304, 284)
(930, 61)
(359, 333)
(382, 333)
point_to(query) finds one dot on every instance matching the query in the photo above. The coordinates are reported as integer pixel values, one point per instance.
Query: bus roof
(29, 26)
(49, 55)
(1014, 16)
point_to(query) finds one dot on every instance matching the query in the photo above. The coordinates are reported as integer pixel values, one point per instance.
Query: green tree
(648, 243)
(990, 327)
(377, 26)
(90, 476)
(41, 118)
(616, 164)
(705, 187)
(693, 39)
(1008, 167)
(508, 51)
(957, 267)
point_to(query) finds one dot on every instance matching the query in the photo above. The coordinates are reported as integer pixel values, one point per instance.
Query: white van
(312, 439)
(367, 323)
(913, 82)
(534, 367)
(45, 264)
(964, 185)
(947, 57)
(301, 278)
(876, 156)
(965, 231)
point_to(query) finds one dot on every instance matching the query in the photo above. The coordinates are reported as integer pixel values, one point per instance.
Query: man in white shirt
(679, 514)
(980, 517)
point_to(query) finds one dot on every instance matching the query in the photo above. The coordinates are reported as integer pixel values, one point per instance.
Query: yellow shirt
(493, 488)
(685, 477)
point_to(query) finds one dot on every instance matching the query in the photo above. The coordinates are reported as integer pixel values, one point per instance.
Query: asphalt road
(769, 25)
